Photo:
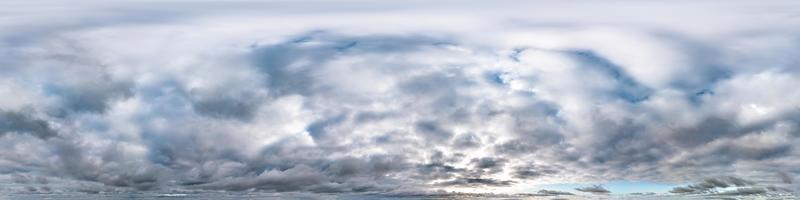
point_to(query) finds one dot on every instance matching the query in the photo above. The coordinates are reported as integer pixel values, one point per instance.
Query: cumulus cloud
(390, 97)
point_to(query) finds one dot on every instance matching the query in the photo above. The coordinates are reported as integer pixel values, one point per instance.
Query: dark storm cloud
(16, 122)
(595, 189)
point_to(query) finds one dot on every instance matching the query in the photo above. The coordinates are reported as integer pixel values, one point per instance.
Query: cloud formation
(398, 98)
(595, 189)
(712, 184)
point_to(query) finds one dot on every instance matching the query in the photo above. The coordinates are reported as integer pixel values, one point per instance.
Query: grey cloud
(30, 189)
(532, 130)
(20, 179)
(468, 140)
(28, 179)
(754, 152)
(709, 129)
(67, 71)
(476, 182)
(16, 122)
(516, 147)
(289, 66)
(623, 143)
(534, 171)
(438, 170)
(553, 192)
(42, 180)
(627, 87)
(433, 131)
(487, 163)
(376, 166)
(92, 97)
(242, 106)
(366, 117)
(342, 175)
(485, 166)
(319, 130)
(711, 184)
(785, 177)
(112, 170)
(442, 98)
(595, 189)
(783, 190)
(400, 105)
(292, 179)
(709, 67)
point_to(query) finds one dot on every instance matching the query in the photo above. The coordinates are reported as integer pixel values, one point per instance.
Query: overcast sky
(404, 97)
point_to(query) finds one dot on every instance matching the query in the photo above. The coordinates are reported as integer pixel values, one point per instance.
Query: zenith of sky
(400, 97)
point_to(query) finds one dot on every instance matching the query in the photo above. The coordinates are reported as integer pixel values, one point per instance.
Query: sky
(400, 97)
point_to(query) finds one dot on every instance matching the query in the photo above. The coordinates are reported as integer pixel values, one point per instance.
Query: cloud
(208, 96)
(534, 171)
(595, 189)
(785, 177)
(710, 184)
(744, 191)
(476, 182)
(15, 122)
(553, 192)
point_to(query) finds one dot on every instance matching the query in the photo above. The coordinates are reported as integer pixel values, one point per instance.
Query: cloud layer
(397, 98)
